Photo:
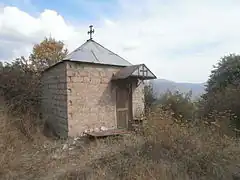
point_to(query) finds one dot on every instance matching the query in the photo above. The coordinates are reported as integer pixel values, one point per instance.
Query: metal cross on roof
(91, 31)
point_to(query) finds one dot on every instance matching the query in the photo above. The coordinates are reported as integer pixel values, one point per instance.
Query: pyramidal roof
(93, 52)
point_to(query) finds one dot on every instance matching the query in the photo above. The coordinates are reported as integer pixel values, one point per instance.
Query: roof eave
(83, 62)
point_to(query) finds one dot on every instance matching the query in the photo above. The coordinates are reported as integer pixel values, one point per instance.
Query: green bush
(179, 104)
(223, 90)
(149, 97)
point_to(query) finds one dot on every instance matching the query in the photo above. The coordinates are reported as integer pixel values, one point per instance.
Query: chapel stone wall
(54, 99)
(91, 97)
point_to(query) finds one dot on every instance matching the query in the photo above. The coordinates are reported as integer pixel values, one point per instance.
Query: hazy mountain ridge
(160, 86)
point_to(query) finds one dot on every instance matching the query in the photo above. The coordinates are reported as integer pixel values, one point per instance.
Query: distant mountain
(160, 86)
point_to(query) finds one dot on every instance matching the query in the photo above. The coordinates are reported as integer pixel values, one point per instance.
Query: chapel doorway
(123, 104)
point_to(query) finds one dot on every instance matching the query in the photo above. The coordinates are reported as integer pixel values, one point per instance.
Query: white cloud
(19, 31)
(178, 40)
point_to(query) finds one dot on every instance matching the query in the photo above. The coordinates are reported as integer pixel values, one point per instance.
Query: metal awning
(139, 71)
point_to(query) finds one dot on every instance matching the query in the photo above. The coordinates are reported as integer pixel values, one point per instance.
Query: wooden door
(123, 105)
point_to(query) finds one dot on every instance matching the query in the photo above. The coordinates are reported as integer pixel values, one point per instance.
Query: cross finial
(91, 31)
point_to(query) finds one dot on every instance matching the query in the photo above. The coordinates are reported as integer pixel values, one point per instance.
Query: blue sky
(178, 40)
(83, 10)
(80, 9)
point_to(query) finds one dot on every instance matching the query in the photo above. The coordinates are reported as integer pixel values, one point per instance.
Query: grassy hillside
(165, 151)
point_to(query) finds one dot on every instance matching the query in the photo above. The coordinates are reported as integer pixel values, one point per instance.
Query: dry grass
(165, 151)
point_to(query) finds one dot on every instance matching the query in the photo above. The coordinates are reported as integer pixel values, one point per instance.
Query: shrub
(20, 82)
(149, 97)
(179, 104)
(20, 86)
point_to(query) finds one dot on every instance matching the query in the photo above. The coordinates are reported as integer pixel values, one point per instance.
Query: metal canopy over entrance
(138, 71)
(125, 79)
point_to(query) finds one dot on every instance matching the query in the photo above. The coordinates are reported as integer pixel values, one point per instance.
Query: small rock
(85, 130)
(55, 156)
(76, 138)
(65, 146)
(71, 148)
(102, 128)
(96, 129)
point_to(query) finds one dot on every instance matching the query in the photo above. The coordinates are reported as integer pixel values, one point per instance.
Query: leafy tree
(226, 72)
(149, 96)
(47, 53)
(1, 65)
(179, 103)
(223, 88)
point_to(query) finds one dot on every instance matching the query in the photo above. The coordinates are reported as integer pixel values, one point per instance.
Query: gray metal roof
(93, 52)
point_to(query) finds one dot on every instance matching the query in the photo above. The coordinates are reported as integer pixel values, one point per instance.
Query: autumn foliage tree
(47, 53)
